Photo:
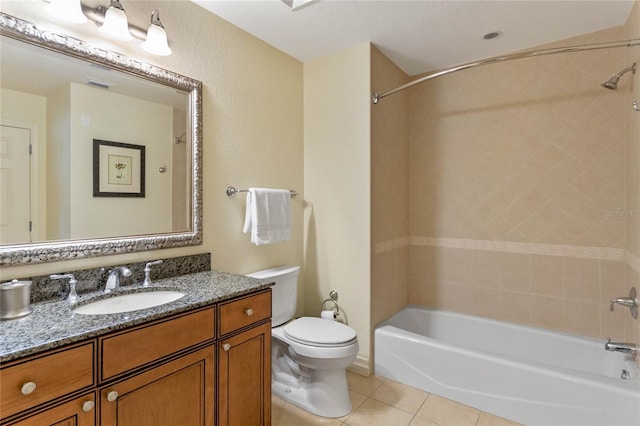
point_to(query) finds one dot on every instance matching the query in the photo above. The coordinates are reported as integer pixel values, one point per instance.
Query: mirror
(100, 154)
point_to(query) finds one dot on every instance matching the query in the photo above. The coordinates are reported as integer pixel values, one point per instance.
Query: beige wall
(139, 122)
(337, 186)
(632, 137)
(252, 127)
(389, 191)
(58, 170)
(517, 170)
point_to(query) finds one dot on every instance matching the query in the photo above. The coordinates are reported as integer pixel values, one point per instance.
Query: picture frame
(118, 169)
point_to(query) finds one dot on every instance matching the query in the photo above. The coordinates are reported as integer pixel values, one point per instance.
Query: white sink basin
(128, 302)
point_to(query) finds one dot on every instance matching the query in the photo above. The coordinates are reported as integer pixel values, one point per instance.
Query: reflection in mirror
(58, 97)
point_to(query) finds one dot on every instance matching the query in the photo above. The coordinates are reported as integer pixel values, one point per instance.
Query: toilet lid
(319, 332)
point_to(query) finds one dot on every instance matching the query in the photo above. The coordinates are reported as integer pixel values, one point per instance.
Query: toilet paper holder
(333, 298)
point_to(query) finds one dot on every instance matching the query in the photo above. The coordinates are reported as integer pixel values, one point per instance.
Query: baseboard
(360, 366)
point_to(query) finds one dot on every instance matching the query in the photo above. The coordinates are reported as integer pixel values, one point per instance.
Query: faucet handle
(147, 272)
(73, 296)
(630, 302)
(613, 302)
(150, 264)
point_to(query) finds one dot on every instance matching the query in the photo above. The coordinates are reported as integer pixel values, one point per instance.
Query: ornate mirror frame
(50, 251)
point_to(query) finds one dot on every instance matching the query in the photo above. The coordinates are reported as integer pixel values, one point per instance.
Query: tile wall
(556, 292)
(389, 190)
(517, 176)
(527, 151)
(524, 183)
(632, 137)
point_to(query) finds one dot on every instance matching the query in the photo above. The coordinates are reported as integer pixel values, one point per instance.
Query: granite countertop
(53, 324)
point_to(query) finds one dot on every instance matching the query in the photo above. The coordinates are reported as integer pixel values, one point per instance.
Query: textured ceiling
(419, 35)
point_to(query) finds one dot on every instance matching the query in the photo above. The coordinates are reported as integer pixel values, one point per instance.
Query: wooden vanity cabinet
(211, 366)
(244, 361)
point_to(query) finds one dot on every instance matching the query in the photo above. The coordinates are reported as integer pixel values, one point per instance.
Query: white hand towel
(268, 215)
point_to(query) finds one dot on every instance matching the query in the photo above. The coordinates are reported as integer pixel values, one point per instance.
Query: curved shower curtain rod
(625, 43)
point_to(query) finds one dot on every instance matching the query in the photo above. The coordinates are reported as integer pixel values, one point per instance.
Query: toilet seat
(319, 332)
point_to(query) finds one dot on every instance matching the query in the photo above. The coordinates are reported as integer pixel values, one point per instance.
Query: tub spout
(626, 348)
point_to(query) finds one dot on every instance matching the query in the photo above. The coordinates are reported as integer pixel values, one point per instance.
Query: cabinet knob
(226, 347)
(249, 312)
(112, 396)
(28, 388)
(87, 406)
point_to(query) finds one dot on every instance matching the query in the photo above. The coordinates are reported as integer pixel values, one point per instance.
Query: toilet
(309, 355)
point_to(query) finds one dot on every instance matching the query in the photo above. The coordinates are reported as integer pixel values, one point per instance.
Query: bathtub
(529, 375)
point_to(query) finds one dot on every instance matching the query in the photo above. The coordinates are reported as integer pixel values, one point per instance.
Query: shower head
(612, 83)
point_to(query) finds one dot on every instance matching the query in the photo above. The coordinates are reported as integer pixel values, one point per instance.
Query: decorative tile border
(604, 253)
(390, 245)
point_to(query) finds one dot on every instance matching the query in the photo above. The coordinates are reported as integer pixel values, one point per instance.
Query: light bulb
(156, 42)
(115, 23)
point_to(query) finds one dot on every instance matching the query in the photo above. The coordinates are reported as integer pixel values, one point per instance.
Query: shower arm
(626, 70)
(609, 45)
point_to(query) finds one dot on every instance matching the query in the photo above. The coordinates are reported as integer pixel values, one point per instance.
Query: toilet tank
(284, 294)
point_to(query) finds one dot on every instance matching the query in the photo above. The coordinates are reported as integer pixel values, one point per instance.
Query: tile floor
(383, 402)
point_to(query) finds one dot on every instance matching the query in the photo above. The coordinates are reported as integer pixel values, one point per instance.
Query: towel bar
(231, 191)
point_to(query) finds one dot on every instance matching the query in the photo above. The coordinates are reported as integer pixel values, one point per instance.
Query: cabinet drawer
(78, 412)
(53, 375)
(243, 312)
(139, 346)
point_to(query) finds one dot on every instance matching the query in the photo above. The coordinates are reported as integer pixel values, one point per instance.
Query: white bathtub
(529, 375)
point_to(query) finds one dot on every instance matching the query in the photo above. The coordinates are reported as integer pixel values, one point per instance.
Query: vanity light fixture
(115, 23)
(67, 10)
(112, 22)
(156, 42)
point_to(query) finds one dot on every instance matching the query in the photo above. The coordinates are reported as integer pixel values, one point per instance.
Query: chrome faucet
(72, 297)
(113, 280)
(625, 348)
(147, 273)
(630, 302)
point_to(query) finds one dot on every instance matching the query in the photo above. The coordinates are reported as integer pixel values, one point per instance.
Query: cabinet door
(78, 412)
(180, 392)
(244, 378)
